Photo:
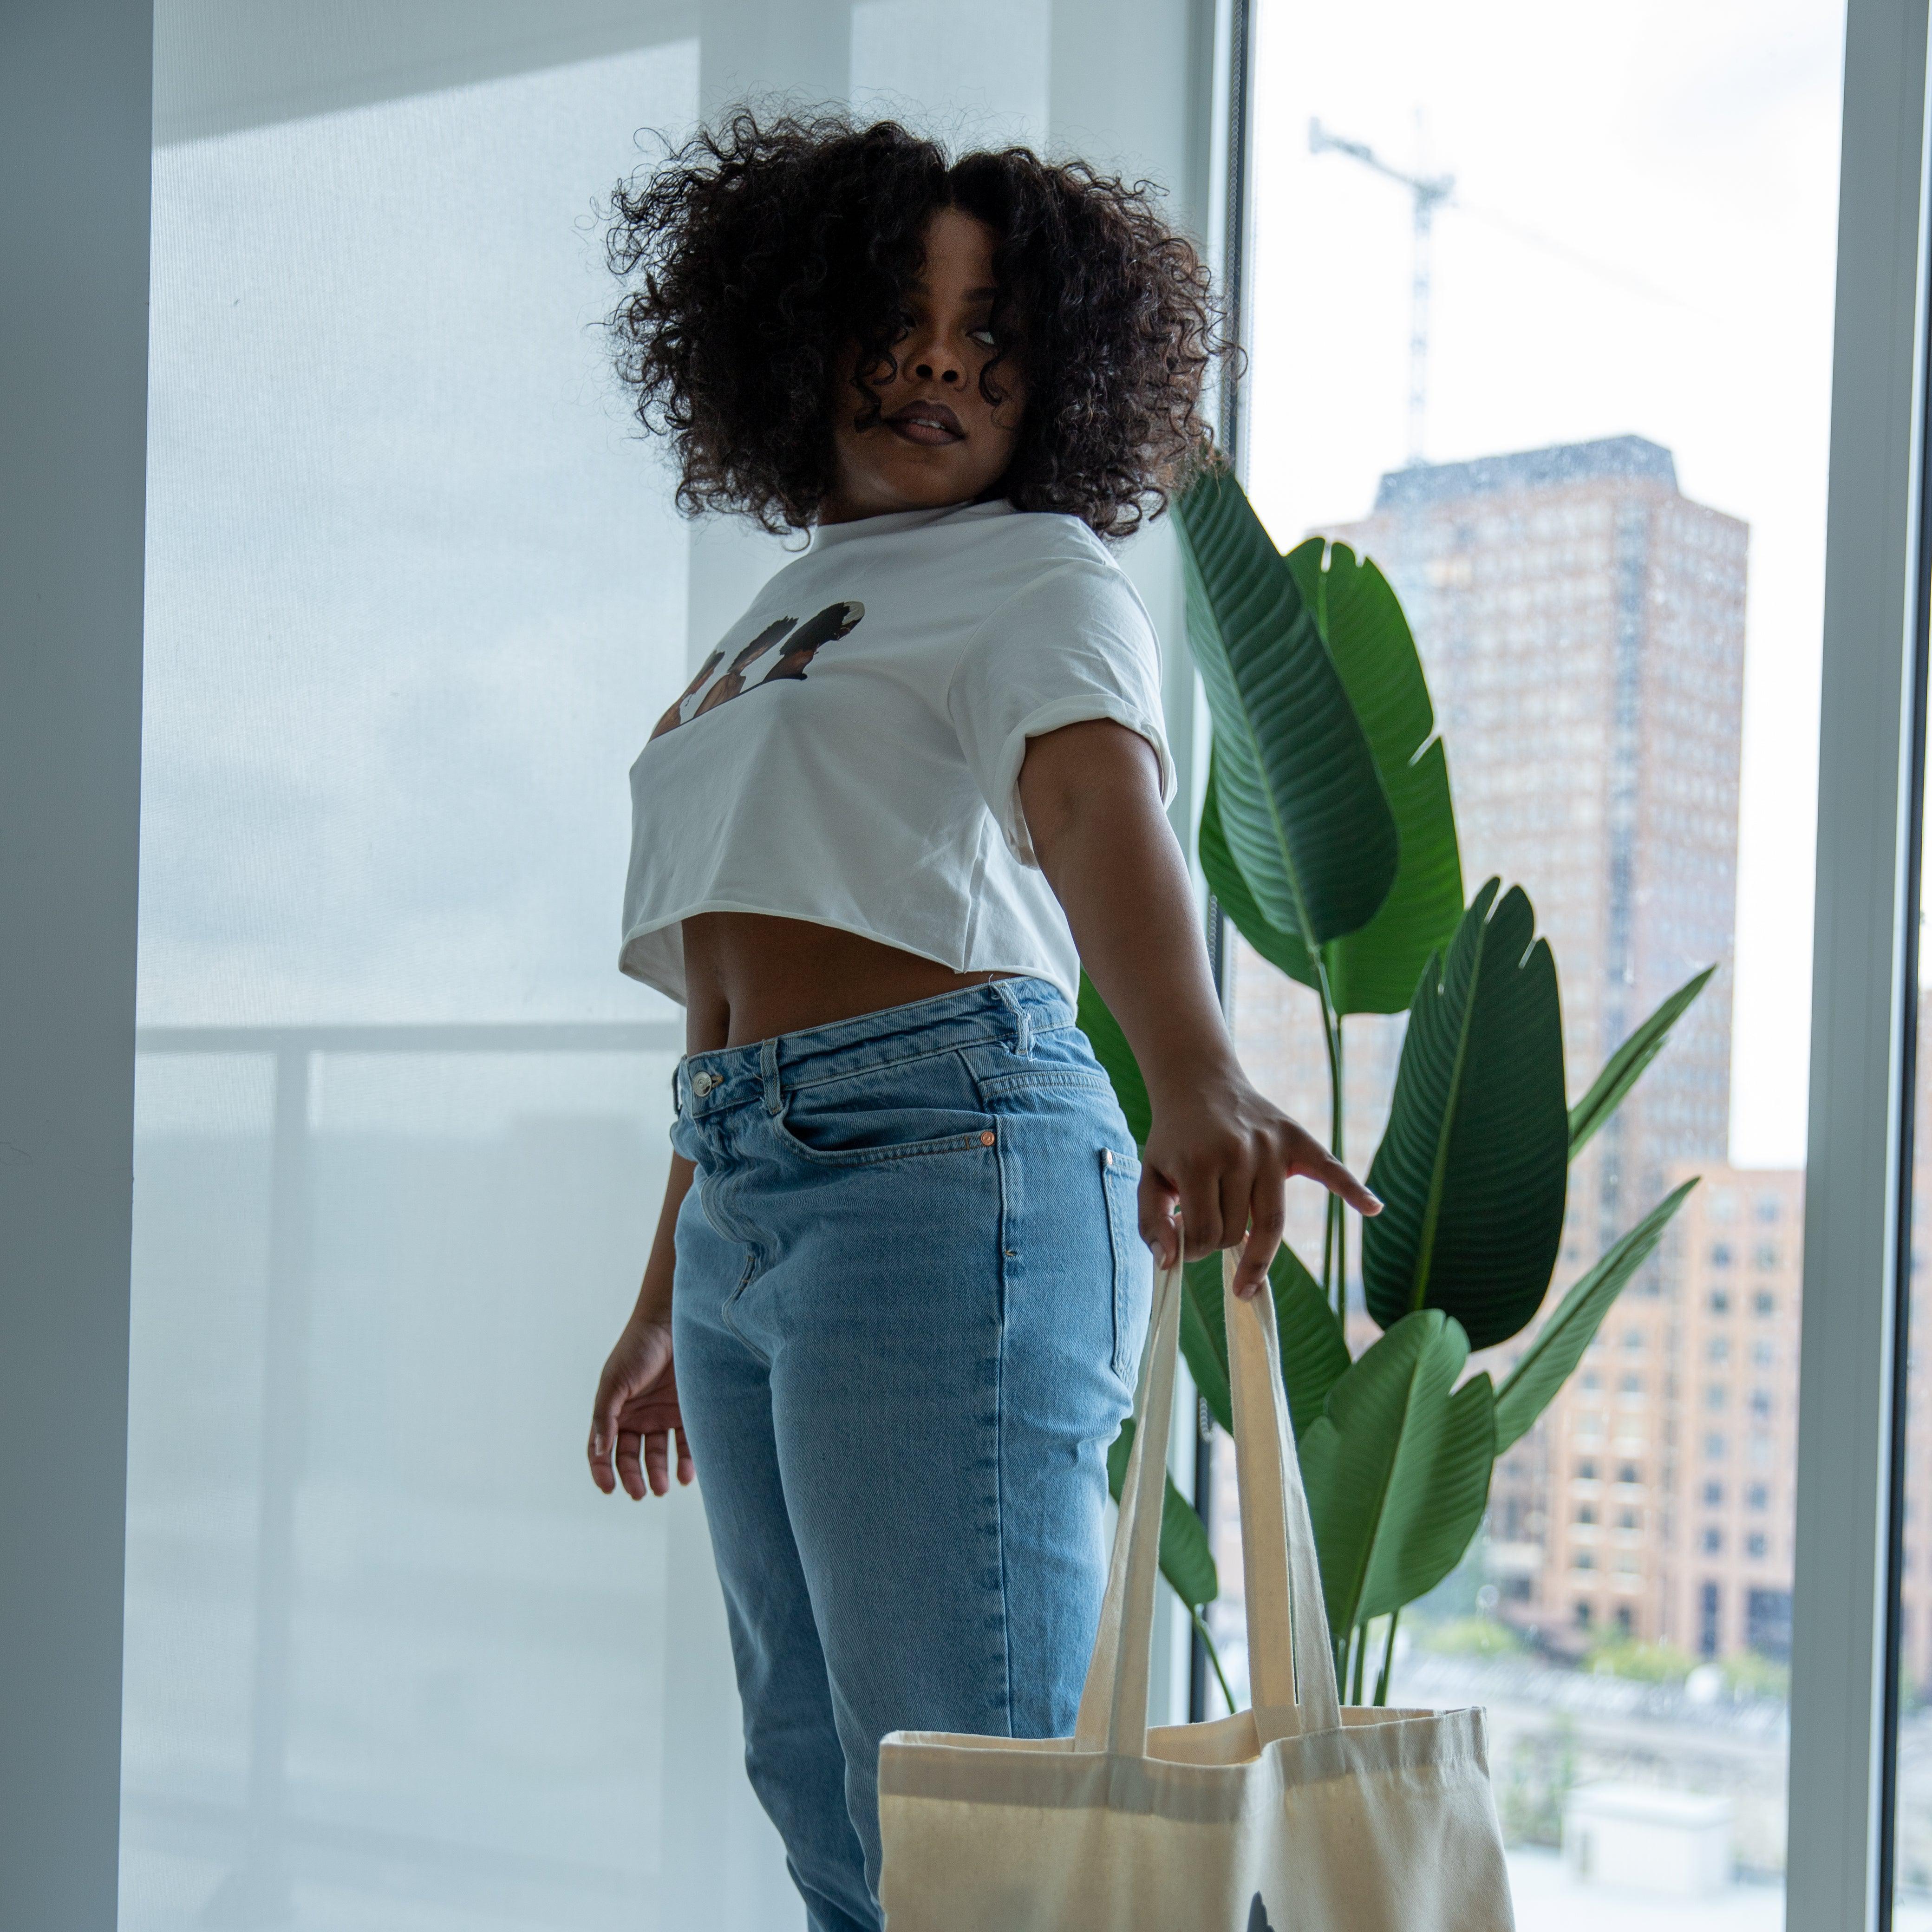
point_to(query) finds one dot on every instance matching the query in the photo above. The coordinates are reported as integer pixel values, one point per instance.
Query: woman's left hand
(1220, 1157)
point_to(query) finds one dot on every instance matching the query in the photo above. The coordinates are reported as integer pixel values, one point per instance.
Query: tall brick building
(1582, 624)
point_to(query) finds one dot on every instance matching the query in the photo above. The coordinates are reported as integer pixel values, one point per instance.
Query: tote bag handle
(1288, 1626)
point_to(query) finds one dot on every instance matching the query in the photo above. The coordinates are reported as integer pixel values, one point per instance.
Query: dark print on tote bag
(801, 646)
(1257, 1918)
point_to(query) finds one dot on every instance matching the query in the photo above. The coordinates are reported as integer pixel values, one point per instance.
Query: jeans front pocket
(927, 1105)
(1133, 1260)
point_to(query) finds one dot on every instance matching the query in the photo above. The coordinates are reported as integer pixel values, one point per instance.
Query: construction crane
(1430, 192)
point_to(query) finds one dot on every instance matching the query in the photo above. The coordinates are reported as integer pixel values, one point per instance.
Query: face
(937, 440)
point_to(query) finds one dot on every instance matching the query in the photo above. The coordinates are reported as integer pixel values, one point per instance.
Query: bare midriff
(748, 977)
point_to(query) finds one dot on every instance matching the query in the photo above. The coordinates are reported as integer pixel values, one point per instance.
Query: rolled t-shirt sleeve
(1075, 644)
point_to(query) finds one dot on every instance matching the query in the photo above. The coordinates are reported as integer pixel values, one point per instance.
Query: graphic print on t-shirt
(802, 646)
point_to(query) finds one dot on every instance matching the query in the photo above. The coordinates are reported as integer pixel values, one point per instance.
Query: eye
(984, 336)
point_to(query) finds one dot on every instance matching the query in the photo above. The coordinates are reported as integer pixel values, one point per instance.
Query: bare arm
(636, 1412)
(1217, 1150)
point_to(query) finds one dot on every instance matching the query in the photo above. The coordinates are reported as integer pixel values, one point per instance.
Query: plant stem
(1388, 1659)
(1360, 1663)
(1332, 1272)
(1213, 1656)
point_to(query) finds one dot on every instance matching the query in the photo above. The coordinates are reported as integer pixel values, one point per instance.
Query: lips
(931, 424)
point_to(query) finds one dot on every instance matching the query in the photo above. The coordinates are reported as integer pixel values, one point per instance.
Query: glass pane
(401, 1125)
(1542, 328)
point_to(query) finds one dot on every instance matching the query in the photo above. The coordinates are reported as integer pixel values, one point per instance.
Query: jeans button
(701, 1084)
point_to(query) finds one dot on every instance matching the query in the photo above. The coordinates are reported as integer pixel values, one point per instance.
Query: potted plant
(1327, 834)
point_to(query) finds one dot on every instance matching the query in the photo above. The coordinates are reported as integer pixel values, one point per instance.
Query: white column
(75, 86)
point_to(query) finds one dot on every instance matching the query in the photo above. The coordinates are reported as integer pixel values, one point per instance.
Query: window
(1764, 1303)
(1519, 571)
(1708, 1633)
(1629, 1473)
(1757, 1497)
(1768, 1623)
(1755, 1546)
(414, 594)
(1713, 1540)
(1714, 1495)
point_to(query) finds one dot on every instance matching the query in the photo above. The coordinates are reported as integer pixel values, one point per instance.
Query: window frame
(1865, 970)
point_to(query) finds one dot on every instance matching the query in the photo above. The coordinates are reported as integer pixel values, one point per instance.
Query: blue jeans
(909, 1306)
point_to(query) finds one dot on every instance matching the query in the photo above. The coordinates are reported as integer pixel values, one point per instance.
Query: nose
(935, 363)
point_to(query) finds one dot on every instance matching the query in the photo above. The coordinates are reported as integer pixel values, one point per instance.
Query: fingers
(1157, 1200)
(657, 1458)
(1267, 1217)
(1201, 1220)
(603, 1433)
(1325, 1168)
(629, 1471)
(686, 1469)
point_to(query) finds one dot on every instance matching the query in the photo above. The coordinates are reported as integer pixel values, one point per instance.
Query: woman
(895, 1301)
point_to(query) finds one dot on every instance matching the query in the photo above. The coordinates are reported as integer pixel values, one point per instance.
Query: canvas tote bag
(1296, 1816)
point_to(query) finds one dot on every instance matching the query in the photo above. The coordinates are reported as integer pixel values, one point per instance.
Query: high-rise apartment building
(1732, 1270)
(1729, 1321)
(1581, 626)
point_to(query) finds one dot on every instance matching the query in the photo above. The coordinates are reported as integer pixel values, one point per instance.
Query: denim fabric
(910, 1300)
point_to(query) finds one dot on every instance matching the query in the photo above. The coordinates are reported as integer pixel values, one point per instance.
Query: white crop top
(850, 753)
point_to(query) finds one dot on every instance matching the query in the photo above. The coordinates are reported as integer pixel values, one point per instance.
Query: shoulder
(1047, 538)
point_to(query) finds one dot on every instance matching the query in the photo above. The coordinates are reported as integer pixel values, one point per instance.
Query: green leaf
(1303, 808)
(1474, 1165)
(1624, 1066)
(1314, 1356)
(1397, 1469)
(1111, 1050)
(1186, 1560)
(1374, 969)
(1284, 949)
(1546, 1365)
(1204, 1336)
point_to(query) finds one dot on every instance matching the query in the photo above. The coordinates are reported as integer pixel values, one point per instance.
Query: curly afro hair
(760, 251)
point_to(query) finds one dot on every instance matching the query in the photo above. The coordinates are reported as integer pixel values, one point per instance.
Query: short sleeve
(1075, 644)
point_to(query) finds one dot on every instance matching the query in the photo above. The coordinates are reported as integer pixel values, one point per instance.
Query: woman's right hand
(636, 1408)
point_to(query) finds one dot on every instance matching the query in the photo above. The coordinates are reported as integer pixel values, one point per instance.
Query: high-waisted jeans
(909, 1301)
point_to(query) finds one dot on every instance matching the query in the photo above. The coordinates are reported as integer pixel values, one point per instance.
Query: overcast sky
(1690, 150)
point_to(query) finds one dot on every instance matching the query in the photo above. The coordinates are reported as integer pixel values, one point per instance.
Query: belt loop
(1022, 1018)
(768, 1066)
